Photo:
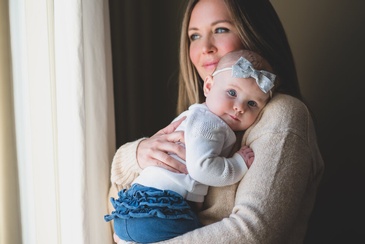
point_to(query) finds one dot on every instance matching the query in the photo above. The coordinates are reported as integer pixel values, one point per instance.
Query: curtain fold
(64, 118)
(10, 228)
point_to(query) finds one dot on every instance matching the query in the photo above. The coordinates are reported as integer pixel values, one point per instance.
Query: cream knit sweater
(273, 202)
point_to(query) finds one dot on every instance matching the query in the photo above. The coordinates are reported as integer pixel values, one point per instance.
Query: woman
(273, 203)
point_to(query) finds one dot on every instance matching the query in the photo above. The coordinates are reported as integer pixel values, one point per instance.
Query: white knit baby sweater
(208, 142)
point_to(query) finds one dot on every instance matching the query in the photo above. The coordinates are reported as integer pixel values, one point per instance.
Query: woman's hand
(153, 151)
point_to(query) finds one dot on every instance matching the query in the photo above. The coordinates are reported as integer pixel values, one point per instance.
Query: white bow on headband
(243, 69)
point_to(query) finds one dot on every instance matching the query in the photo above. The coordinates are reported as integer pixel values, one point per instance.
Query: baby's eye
(221, 30)
(194, 37)
(232, 93)
(252, 104)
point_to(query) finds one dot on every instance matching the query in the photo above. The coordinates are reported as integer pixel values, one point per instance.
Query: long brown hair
(260, 30)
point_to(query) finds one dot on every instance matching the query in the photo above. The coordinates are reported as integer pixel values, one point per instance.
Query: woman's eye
(193, 37)
(221, 30)
(232, 93)
(252, 103)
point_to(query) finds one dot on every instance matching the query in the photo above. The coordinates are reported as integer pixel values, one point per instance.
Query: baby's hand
(247, 154)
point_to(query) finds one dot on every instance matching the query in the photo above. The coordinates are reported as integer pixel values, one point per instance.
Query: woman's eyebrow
(213, 24)
(221, 21)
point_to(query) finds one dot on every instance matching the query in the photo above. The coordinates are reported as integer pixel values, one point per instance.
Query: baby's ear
(208, 83)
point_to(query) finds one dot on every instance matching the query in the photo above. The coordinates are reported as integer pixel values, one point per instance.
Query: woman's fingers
(154, 151)
(162, 153)
(168, 162)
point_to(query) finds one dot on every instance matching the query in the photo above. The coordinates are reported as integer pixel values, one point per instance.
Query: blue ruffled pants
(146, 214)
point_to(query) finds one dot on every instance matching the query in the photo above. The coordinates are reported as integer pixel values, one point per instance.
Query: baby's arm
(247, 154)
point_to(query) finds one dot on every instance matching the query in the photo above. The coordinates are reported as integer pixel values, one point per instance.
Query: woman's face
(212, 34)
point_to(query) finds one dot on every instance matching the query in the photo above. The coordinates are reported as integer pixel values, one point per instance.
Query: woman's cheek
(228, 43)
(193, 54)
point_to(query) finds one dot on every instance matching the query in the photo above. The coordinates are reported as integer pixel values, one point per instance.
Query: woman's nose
(208, 46)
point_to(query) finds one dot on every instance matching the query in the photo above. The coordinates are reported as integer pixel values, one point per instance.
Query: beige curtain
(10, 228)
(62, 91)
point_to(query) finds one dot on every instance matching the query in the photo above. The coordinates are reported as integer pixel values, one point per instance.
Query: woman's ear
(208, 83)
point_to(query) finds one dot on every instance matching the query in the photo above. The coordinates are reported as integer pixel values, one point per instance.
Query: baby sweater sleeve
(208, 141)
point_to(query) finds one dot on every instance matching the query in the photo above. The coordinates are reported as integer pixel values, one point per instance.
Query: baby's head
(239, 59)
(239, 88)
(257, 60)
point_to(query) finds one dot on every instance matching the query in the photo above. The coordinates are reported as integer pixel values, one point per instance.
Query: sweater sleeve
(274, 200)
(125, 167)
(208, 141)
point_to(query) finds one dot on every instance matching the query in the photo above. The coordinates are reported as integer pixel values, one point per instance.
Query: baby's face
(237, 101)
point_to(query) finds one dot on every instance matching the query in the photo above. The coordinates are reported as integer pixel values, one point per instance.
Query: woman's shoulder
(283, 113)
(283, 102)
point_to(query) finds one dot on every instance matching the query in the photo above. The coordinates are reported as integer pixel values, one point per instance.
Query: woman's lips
(210, 65)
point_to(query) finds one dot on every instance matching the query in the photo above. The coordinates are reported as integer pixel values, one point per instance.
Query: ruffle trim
(141, 202)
